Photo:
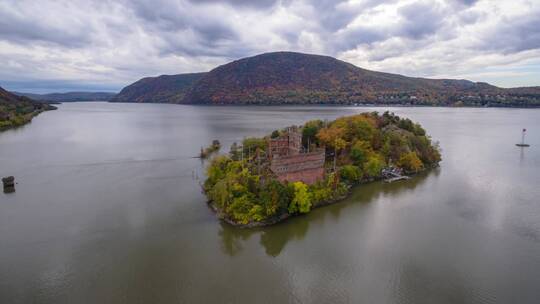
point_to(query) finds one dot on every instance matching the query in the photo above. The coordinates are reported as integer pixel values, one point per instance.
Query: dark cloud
(470, 17)
(418, 20)
(334, 15)
(164, 15)
(185, 31)
(254, 4)
(465, 2)
(24, 29)
(514, 35)
(331, 18)
(421, 19)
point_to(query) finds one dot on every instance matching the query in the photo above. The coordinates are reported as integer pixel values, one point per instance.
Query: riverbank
(283, 217)
(15, 121)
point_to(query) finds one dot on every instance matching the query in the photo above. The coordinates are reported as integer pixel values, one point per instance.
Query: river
(108, 209)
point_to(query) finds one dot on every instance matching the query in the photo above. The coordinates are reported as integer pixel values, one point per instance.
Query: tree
(332, 137)
(217, 170)
(360, 152)
(250, 145)
(274, 197)
(410, 162)
(310, 130)
(320, 192)
(406, 124)
(395, 145)
(362, 127)
(373, 166)
(220, 194)
(240, 209)
(350, 173)
(418, 130)
(301, 201)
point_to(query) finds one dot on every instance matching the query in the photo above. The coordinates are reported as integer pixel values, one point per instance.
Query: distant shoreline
(323, 105)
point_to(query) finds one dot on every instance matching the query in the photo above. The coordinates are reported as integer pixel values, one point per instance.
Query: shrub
(350, 173)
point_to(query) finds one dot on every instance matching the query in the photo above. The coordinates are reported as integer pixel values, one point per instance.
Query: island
(291, 171)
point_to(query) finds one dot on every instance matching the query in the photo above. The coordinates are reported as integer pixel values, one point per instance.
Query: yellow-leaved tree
(410, 162)
(301, 201)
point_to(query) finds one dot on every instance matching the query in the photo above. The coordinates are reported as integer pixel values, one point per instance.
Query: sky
(75, 45)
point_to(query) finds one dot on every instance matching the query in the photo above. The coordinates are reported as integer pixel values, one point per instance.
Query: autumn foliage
(244, 191)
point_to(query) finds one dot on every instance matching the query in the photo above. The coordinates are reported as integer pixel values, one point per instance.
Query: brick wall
(305, 167)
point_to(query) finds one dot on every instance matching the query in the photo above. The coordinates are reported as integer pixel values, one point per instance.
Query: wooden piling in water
(9, 184)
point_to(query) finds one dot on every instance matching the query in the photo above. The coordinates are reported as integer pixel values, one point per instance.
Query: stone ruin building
(289, 163)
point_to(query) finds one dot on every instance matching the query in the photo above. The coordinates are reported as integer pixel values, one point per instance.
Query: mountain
(296, 78)
(70, 96)
(18, 110)
(161, 89)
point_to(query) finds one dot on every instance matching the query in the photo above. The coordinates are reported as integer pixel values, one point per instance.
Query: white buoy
(523, 144)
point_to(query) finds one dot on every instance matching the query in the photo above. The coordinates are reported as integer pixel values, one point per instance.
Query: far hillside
(294, 78)
(160, 89)
(16, 110)
(70, 96)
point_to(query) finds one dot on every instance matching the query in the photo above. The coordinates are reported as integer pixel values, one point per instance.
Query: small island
(293, 170)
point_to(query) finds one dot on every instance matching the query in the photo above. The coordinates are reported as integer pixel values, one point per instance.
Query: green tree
(274, 197)
(250, 145)
(216, 170)
(360, 152)
(350, 173)
(240, 209)
(362, 127)
(301, 201)
(373, 166)
(310, 130)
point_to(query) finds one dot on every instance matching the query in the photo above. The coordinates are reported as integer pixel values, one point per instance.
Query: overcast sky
(48, 46)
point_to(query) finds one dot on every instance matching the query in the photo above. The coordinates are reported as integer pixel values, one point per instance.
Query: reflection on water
(274, 238)
(521, 154)
(108, 209)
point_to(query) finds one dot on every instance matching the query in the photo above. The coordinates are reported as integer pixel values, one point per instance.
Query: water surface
(108, 209)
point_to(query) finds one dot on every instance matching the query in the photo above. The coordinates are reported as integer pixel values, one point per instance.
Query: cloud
(514, 35)
(26, 24)
(116, 42)
(421, 19)
(253, 4)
